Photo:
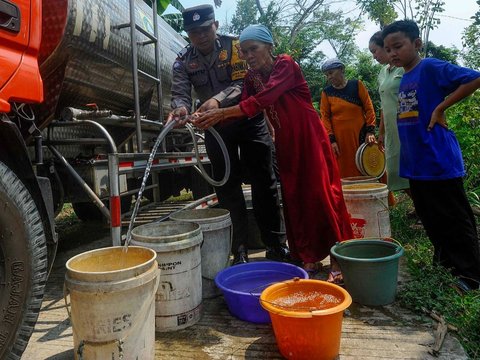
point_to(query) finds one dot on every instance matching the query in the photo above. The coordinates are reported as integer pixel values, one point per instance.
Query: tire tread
(36, 245)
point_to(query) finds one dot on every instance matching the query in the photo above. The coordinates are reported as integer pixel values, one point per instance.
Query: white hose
(169, 126)
(201, 170)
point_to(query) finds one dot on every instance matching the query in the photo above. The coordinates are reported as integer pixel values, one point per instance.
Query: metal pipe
(115, 207)
(136, 92)
(105, 133)
(145, 156)
(148, 76)
(135, 191)
(81, 141)
(71, 113)
(91, 194)
(145, 32)
(157, 62)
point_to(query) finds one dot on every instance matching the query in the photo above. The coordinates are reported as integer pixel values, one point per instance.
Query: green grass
(431, 287)
(66, 217)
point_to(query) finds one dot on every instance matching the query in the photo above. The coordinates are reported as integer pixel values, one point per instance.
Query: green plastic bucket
(370, 269)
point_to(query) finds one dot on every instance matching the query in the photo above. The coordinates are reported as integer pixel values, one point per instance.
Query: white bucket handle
(65, 294)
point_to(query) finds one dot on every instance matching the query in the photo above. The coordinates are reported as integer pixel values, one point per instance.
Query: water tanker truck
(84, 88)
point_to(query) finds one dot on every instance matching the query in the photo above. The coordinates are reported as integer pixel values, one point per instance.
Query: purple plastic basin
(242, 285)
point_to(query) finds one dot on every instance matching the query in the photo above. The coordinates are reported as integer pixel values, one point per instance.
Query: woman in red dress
(315, 213)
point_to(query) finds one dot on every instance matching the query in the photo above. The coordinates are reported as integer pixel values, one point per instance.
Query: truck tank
(84, 58)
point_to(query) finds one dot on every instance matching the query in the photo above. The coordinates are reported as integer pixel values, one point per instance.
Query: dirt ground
(387, 332)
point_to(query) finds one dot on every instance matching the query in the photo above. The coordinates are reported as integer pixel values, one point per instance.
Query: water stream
(160, 137)
(200, 168)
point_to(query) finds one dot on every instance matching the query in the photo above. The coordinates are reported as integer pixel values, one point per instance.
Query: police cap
(197, 16)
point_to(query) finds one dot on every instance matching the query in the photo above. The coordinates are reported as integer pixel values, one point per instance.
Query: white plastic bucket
(112, 297)
(216, 227)
(179, 296)
(367, 205)
(358, 180)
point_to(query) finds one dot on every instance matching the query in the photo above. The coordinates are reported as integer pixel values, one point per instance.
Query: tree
(443, 53)
(163, 4)
(427, 19)
(175, 20)
(299, 27)
(367, 70)
(246, 13)
(381, 12)
(424, 12)
(471, 42)
(476, 17)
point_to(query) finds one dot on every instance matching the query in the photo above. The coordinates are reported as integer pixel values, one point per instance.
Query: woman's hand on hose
(211, 117)
(335, 149)
(208, 118)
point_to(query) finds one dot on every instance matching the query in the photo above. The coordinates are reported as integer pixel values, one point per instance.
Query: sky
(449, 33)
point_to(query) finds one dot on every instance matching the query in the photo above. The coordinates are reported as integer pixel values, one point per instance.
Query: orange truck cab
(20, 36)
(57, 59)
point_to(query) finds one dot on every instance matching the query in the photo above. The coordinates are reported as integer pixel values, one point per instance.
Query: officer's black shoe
(463, 285)
(240, 258)
(278, 253)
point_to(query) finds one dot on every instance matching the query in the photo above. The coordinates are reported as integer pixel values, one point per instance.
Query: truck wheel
(23, 264)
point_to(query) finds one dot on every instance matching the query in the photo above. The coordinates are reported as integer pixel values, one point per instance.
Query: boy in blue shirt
(430, 156)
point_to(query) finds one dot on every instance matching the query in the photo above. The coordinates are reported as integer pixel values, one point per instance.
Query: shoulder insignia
(181, 55)
(177, 65)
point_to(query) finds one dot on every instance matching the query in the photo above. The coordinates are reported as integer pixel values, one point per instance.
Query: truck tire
(23, 264)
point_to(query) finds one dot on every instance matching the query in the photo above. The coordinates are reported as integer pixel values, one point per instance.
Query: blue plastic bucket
(242, 285)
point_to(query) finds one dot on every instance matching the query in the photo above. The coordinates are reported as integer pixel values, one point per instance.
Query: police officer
(211, 65)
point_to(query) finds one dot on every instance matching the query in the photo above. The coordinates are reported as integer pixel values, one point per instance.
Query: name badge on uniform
(193, 65)
(223, 55)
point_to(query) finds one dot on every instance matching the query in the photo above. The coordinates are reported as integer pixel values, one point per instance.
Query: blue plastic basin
(242, 285)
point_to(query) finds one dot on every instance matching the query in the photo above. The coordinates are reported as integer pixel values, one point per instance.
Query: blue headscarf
(258, 33)
(332, 64)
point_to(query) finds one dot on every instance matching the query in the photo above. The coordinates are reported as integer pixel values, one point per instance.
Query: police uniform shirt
(218, 75)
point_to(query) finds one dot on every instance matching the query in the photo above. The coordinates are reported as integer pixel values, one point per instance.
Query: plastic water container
(179, 296)
(242, 285)
(370, 269)
(358, 180)
(306, 317)
(367, 205)
(216, 227)
(112, 299)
